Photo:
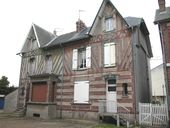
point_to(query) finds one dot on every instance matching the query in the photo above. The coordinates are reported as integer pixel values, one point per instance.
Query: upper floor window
(81, 58)
(110, 24)
(31, 66)
(109, 54)
(48, 64)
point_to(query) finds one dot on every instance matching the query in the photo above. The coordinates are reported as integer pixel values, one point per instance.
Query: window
(109, 54)
(81, 92)
(110, 24)
(32, 66)
(111, 85)
(48, 64)
(125, 89)
(81, 58)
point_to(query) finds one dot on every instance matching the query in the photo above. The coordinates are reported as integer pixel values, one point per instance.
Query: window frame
(76, 64)
(48, 64)
(110, 24)
(31, 66)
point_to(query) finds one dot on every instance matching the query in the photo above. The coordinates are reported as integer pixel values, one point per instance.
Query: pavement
(11, 122)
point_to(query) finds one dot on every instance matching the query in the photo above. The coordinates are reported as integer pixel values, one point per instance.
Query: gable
(37, 37)
(31, 42)
(106, 10)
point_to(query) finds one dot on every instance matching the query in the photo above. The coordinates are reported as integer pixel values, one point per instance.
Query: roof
(134, 21)
(69, 37)
(162, 16)
(43, 36)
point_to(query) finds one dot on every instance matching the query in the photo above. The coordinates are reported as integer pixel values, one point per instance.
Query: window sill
(80, 69)
(110, 66)
(81, 103)
(125, 96)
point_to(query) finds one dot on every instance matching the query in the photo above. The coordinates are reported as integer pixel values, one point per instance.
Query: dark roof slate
(162, 16)
(69, 37)
(44, 37)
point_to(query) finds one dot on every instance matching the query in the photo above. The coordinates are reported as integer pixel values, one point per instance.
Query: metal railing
(114, 108)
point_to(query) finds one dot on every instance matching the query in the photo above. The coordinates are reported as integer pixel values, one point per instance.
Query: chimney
(80, 25)
(161, 5)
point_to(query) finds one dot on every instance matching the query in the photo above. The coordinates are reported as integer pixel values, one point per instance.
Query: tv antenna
(80, 13)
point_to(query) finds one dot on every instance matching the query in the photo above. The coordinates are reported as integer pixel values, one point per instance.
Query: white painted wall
(158, 81)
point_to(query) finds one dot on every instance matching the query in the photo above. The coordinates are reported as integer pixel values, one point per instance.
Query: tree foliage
(4, 86)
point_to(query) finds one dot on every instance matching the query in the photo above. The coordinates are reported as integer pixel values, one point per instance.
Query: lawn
(106, 126)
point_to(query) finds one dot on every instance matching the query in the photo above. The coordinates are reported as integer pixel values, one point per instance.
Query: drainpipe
(164, 65)
(134, 63)
(62, 81)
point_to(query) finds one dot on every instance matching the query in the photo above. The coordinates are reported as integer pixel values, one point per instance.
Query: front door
(111, 99)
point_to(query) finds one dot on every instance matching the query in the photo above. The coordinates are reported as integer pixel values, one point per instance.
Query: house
(158, 84)
(99, 69)
(162, 19)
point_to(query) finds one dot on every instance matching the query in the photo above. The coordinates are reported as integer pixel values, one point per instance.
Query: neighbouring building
(162, 19)
(158, 84)
(11, 102)
(102, 68)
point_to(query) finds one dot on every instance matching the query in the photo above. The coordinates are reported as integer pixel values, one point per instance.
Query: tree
(4, 86)
(4, 81)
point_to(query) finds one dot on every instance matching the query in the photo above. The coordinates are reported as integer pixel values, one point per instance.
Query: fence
(153, 114)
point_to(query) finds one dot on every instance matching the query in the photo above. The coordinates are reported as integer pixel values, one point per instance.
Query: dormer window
(110, 24)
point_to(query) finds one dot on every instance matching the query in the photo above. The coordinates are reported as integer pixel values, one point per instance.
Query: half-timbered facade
(73, 75)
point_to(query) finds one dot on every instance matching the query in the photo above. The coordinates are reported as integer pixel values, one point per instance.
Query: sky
(17, 17)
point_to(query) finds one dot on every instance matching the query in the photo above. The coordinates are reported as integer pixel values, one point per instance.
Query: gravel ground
(8, 122)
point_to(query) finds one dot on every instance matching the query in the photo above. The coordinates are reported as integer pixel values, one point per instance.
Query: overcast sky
(18, 15)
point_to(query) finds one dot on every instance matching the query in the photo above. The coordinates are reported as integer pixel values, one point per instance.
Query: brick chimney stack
(161, 5)
(80, 25)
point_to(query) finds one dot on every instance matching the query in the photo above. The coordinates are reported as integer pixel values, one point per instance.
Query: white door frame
(111, 97)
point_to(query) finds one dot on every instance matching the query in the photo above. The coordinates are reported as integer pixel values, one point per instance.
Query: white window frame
(81, 92)
(110, 24)
(76, 61)
(109, 54)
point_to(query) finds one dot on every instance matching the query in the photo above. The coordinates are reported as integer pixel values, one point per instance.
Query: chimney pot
(161, 5)
(80, 25)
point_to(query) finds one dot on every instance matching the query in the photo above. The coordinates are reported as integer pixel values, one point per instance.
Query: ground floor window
(81, 92)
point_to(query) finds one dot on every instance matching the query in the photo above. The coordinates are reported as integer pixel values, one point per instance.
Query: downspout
(62, 81)
(164, 64)
(134, 63)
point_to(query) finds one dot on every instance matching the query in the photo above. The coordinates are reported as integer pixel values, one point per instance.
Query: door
(111, 99)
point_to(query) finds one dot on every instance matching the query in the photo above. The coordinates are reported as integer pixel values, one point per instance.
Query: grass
(106, 126)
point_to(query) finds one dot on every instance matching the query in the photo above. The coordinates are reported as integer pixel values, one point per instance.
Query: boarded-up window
(81, 92)
(39, 92)
(109, 54)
